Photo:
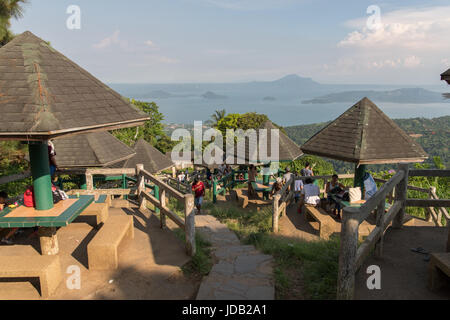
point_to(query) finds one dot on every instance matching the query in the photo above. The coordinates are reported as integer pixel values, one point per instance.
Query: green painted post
(124, 185)
(156, 192)
(40, 170)
(83, 184)
(359, 177)
(214, 185)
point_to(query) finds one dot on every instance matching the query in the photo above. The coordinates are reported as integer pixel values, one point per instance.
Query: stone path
(241, 272)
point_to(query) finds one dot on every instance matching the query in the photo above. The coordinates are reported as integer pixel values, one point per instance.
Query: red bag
(28, 198)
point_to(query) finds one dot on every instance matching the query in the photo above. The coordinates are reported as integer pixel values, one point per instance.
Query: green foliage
(9, 9)
(320, 166)
(152, 131)
(12, 161)
(201, 263)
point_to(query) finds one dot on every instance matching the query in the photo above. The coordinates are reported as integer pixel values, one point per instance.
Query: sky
(176, 41)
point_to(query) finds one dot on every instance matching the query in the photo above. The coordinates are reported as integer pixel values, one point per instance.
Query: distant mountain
(405, 95)
(213, 96)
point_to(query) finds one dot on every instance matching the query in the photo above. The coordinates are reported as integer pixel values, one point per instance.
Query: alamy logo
(242, 147)
(74, 20)
(73, 281)
(374, 21)
(374, 280)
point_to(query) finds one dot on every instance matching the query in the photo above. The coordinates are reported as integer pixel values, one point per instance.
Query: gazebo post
(40, 170)
(360, 171)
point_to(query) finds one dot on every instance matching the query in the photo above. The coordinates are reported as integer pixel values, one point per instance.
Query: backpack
(28, 198)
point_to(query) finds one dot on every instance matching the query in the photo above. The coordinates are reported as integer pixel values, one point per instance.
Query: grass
(202, 262)
(303, 269)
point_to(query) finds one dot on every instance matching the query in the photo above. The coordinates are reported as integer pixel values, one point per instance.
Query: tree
(9, 9)
(216, 117)
(152, 131)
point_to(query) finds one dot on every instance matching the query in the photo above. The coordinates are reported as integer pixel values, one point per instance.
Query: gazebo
(364, 135)
(153, 160)
(91, 150)
(446, 76)
(288, 150)
(44, 95)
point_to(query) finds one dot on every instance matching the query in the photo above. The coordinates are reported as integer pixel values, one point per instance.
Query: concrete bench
(46, 268)
(99, 210)
(439, 270)
(327, 225)
(102, 250)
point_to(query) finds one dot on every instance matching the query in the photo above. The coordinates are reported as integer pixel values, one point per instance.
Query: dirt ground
(149, 265)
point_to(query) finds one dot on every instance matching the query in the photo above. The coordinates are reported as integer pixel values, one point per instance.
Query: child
(199, 191)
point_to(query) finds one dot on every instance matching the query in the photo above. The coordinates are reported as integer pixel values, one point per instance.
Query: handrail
(280, 202)
(351, 257)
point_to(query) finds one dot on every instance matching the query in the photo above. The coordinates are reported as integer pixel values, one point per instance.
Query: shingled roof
(152, 159)
(446, 76)
(97, 149)
(365, 135)
(288, 150)
(45, 95)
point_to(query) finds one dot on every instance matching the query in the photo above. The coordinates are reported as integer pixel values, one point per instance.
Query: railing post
(162, 202)
(89, 181)
(400, 195)
(275, 213)
(189, 225)
(156, 194)
(214, 187)
(141, 186)
(347, 255)
(380, 214)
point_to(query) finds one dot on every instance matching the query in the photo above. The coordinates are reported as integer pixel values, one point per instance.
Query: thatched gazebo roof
(153, 160)
(446, 76)
(288, 150)
(364, 135)
(96, 149)
(44, 95)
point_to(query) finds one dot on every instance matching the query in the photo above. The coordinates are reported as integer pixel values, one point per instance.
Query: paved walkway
(241, 272)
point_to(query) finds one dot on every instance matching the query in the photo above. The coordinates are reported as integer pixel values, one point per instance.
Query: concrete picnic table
(62, 214)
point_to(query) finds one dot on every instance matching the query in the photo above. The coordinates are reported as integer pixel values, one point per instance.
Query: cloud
(108, 41)
(152, 60)
(407, 28)
(114, 41)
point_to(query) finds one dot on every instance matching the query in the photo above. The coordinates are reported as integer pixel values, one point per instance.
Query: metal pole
(40, 170)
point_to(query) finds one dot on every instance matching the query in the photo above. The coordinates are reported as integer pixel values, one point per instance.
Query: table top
(62, 214)
(354, 204)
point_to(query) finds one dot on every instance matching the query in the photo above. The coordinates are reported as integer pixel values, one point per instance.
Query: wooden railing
(144, 181)
(351, 257)
(187, 223)
(281, 201)
(183, 187)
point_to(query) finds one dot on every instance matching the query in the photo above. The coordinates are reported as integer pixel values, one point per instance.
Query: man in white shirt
(310, 194)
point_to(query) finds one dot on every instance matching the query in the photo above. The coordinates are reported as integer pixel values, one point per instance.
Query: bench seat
(439, 268)
(327, 225)
(102, 250)
(46, 268)
(99, 210)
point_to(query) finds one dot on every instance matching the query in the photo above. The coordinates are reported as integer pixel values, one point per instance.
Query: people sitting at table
(334, 188)
(310, 194)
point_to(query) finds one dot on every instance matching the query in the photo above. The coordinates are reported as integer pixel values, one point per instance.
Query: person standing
(307, 171)
(298, 187)
(199, 191)
(52, 158)
(251, 178)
